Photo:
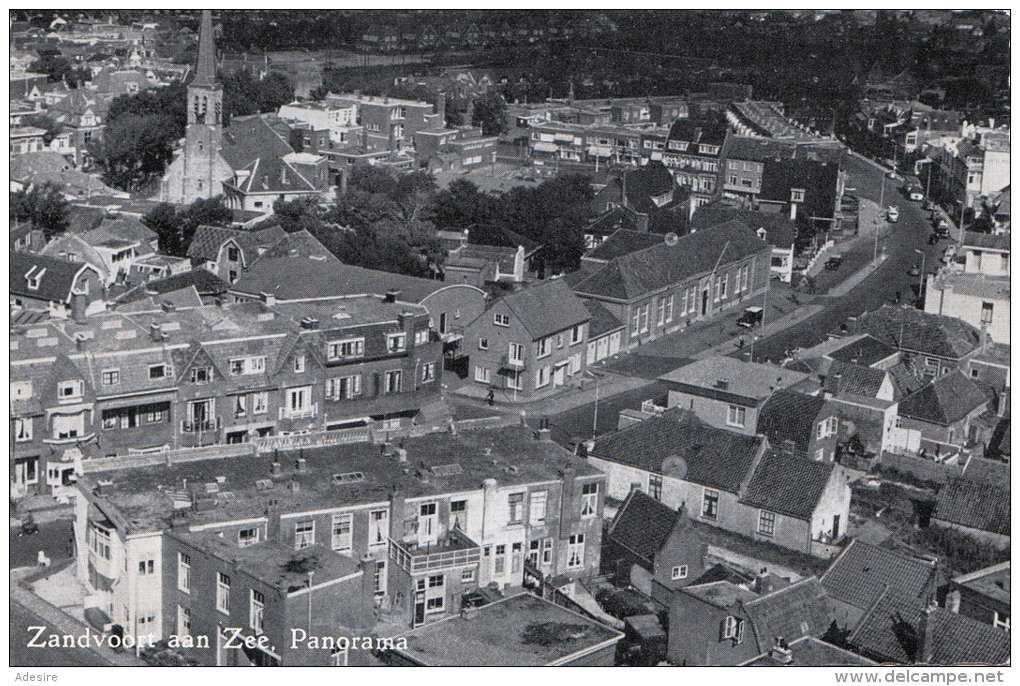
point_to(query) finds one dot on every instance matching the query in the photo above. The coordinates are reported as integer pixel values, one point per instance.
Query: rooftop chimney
(780, 652)
(722, 384)
(293, 486)
(762, 582)
(156, 332)
(310, 323)
(392, 295)
(301, 465)
(275, 469)
(269, 298)
(543, 434)
(925, 634)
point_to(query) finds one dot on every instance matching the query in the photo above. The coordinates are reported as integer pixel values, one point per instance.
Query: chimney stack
(275, 469)
(392, 295)
(79, 303)
(925, 635)
(780, 652)
(301, 464)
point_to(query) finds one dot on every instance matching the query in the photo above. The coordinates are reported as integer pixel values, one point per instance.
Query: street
(23, 656)
(910, 233)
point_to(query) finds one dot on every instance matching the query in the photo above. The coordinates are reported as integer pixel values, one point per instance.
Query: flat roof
(748, 379)
(520, 631)
(143, 496)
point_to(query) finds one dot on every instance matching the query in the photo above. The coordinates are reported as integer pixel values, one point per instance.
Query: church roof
(205, 70)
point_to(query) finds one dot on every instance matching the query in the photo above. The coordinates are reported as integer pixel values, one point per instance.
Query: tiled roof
(790, 416)
(906, 379)
(817, 179)
(780, 232)
(123, 228)
(854, 379)
(908, 328)
(946, 400)
(643, 524)
(863, 571)
(812, 652)
(865, 350)
(64, 245)
(986, 471)
(798, 610)
(987, 241)
(976, 505)
(602, 320)
(635, 275)
(252, 138)
(612, 220)
(893, 631)
(624, 242)
(787, 484)
(714, 457)
(55, 284)
(208, 240)
(202, 280)
(547, 307)
(758, 149)
(710, 130)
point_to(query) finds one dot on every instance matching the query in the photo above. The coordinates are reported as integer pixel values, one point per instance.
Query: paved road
(910, 233)
(23, 656)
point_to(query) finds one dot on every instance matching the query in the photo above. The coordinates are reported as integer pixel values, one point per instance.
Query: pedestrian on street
(491, 398)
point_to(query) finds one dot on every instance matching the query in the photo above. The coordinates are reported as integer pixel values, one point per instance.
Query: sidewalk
(568, 398)
(62, 622)
(733, 345)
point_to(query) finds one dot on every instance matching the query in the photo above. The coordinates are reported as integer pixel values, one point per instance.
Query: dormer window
(34, 277)
(796, 195)
(299, 363)
(70, 390)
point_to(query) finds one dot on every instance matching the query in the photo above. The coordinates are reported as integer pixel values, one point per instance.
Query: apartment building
(257, 543)
(389, 123)
(974, 165)
(693, 155)
(120, 384)
(336, 116)
(979, 294)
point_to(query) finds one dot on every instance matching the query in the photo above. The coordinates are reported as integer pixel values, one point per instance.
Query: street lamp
(920, 279)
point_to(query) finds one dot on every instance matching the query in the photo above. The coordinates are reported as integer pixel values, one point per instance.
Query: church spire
(205, 70)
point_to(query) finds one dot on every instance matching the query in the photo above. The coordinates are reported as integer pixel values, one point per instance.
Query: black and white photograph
(510, 338)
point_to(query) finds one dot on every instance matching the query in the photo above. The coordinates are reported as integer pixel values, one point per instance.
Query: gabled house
(227, 252)
(983, 595)
(944, 412)
(979, 509)
(724, 624)
(804, 190)
(801, 425)
(653, 547)
(775, 229)
(531, 342)
(61, 287)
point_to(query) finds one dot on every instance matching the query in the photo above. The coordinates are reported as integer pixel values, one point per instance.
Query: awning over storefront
(600, 151)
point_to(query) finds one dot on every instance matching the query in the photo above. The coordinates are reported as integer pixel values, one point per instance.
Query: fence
(361, 434)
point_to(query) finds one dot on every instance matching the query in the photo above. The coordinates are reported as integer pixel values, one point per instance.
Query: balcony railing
(306, 413)
(454, 550)
(200, 426)
(68, 440)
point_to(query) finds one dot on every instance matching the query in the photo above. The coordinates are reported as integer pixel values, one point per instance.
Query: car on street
(949, 255)
(893, 213)
(834, 263)
(893, 175)
(751, 317)
(915, 271)
(915, 194)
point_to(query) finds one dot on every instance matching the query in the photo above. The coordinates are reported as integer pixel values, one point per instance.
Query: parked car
(893, 213)
(915, 270)
(834, 263)
(915, 194)
(751, 317)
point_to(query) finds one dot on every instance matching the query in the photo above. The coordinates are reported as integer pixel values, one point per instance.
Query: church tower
(203, 169)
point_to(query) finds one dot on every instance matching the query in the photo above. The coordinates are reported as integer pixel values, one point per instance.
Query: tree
(244, 95)
(169, 101)
(490, 112)
(176, 228)
(44, 205)
(135, 150)
(45, 122)
(59, 68)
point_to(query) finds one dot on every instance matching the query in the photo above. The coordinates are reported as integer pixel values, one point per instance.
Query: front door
(419, 608)
(704, 303)
(835, 527)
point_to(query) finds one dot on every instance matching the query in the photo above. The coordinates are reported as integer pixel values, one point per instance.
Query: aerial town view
(510, 338)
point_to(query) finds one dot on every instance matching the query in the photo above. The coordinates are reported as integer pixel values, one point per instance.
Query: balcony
(305, 413)
(507, 362)
(200, 426)
(453, 550)
(70, 440)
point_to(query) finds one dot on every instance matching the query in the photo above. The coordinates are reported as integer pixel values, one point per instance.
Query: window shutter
(738, 634)
(722, 628)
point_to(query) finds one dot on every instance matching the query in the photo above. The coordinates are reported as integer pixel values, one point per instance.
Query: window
(679, 572)
(22, 430)
(661, 309)
(516, 352)
(396, 342)
(200, 375)
(710, 504)
(575, 551)
(256, 607)
(544, 347)
(736, 416)
(344, 387)
(482, 374)
(767, 523)
(183, 621)
(341, 538)
(542, 377)
(655, 486)
(516, 557)
(240, 405)
(304, 533)
(499, 561)
(260, 402)
(458, 514)
(547, 551)
(70, 389)
(820, 454)
(21, 390)
(299, 364)
(589, 499)
(379, 577)
(732, 629)
(394, 381)
(576, 334)
(428, 372)
(501, 319)
(467, 576)
(669, 308)
(986, 314)
(184, 572)
(352, 347)
(536, 508)
(796, 195)
(378, 527)
(223, 592)
(1000, 621)
(111, 377)
(247, 537)
(146, 567)
(435, 603)
(516, 504)
(483, 343)
(244, 366)
(559, 340)
(421, 336)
